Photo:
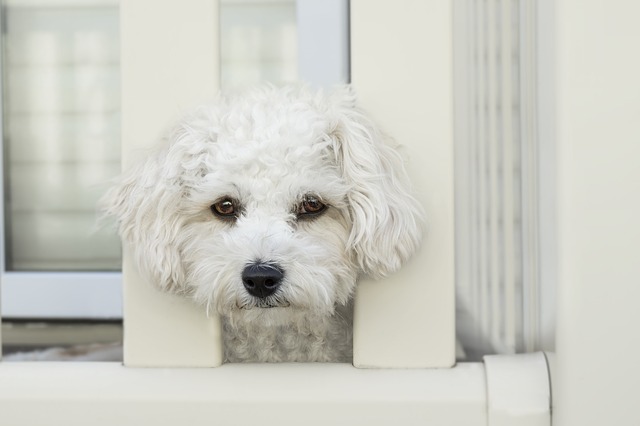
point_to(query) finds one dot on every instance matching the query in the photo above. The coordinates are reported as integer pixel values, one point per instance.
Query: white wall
(599, 198)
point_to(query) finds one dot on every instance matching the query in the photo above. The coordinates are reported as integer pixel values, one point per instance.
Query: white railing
(422, 328)
(511, 391)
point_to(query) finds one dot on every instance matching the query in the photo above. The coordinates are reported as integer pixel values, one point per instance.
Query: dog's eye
(225, 208)
(310, 206)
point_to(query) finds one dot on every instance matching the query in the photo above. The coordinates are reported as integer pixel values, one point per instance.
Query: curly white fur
(268, 148)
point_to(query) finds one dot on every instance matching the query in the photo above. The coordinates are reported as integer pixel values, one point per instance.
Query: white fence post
(518, 390)
(401, 67)
(598, 104)
(170, 63)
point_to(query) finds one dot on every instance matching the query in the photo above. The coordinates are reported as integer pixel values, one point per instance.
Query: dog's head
(269, 201)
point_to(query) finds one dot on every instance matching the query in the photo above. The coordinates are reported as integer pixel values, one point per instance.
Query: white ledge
(310, 394)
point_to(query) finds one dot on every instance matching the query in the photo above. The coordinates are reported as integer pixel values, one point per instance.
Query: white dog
(266, 206)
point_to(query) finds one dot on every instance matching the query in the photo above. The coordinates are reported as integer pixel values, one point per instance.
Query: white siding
(598, 105)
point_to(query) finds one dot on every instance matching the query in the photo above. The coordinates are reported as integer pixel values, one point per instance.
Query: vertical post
(547, 171)
(598, 345)
(170, 62)
(401, 68)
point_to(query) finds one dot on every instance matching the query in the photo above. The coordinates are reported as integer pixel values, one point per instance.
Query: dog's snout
(261, 280)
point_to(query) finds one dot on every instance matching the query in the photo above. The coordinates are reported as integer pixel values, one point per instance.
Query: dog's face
(268, 204)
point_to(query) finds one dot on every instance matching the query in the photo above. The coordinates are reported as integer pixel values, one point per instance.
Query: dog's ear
(145, 204)
(387, 219)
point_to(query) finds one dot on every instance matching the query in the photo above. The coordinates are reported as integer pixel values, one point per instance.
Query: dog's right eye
(225, 208)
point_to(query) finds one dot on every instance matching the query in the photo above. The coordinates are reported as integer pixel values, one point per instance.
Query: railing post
(160, 80)
(401, 67)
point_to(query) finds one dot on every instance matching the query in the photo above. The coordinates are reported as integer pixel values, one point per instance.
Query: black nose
(261, 280)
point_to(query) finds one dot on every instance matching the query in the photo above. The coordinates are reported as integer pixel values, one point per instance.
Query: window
(61, 124)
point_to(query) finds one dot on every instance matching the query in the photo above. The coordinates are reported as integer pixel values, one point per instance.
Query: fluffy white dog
(266, 206)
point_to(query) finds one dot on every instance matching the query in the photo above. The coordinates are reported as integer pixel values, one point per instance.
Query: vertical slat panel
(464, 71)
(401, 63)
(500, 201)
(508, 224)
(547, 170)
(169, 64)
(492, 173)
(472, 142)
(529, 166)
(483, 235)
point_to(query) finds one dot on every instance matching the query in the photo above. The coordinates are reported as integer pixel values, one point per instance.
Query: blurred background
(61, 146)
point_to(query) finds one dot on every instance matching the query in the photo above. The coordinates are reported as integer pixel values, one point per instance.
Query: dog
(265, 207)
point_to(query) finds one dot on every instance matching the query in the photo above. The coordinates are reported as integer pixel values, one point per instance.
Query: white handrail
(274, 394)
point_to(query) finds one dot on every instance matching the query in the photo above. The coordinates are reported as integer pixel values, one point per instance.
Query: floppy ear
(387, 219)
(145, 204)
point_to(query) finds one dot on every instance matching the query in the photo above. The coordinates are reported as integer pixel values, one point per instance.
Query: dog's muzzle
(261, 279)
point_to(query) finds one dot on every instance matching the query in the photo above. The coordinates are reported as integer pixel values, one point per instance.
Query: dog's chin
(262, 316)
(269, 313)
(264, 304)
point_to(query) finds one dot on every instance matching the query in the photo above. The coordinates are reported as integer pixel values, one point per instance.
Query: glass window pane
(258, 42)
(61, 124)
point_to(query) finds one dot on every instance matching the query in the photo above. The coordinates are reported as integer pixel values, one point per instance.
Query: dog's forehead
(266, 139)
(276, 170)
(266, 166)
(272, 117)
(267, 149)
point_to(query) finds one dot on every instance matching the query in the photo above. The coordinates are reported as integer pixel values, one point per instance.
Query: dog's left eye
(310, 206)
(225, 208)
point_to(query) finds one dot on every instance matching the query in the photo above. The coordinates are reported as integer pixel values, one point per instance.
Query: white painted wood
(529, 193)
(509, 241)
(497, 176)
(401, 67)
(598, 105)
(547, 172)
(518, 390)
(493, 263)
(323, 41)
(240, 394)
(170, 63)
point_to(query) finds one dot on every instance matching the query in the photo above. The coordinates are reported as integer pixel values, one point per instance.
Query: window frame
(51, 294)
